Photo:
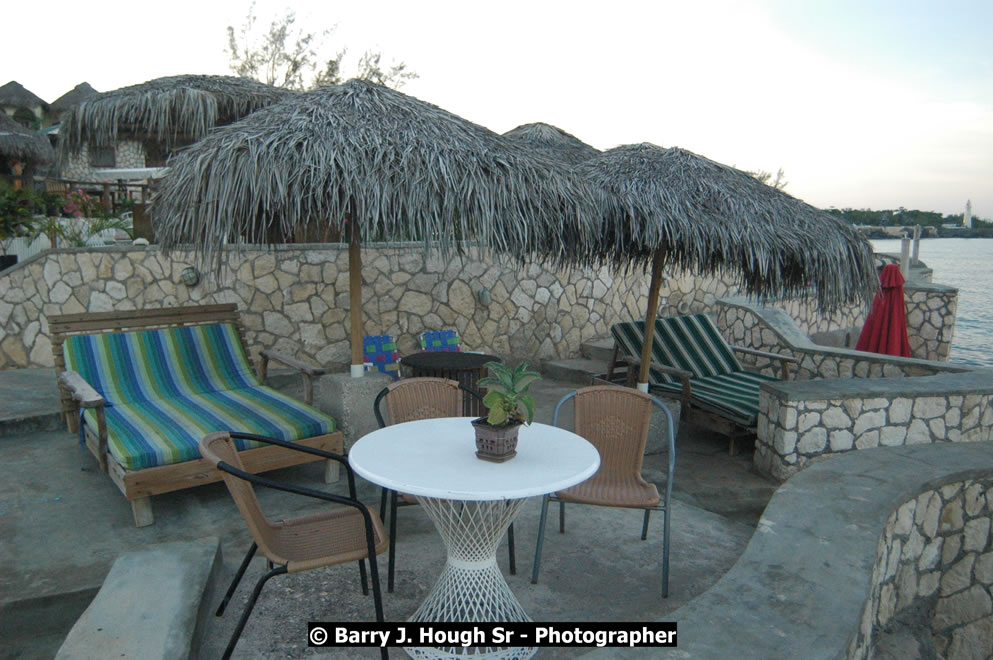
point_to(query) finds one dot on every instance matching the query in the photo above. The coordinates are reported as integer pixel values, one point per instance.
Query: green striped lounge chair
(693, 362)
(162, 390)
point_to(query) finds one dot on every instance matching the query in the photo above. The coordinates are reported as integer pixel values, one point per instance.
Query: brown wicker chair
(348, 533)
(407, 400)
(616, 421)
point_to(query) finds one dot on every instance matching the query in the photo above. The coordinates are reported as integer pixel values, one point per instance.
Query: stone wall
(932, 583)
(129, 154)
(931, 310)
(295, 299)
(801, 421)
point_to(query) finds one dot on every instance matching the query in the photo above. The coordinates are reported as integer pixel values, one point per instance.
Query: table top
(437, 458)
(447, 360)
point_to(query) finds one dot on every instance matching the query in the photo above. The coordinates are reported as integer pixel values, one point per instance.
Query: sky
(863, 103)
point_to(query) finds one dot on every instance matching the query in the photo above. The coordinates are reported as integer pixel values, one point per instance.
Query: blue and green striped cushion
(161, 364)
(164, 431)
(165, 389)
(694, 344)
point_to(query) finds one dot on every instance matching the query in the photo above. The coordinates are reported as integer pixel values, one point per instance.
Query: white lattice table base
(471, 587)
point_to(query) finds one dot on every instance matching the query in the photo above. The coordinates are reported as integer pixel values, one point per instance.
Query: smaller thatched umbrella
(19, 143)
(553, 141)
(173, 111)
(671, 206)
(385, 163)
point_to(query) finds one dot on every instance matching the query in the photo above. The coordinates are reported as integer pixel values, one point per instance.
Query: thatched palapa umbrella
(553, 141)
(673, 207)
(173, 111)
(376, 161)
(19, 143)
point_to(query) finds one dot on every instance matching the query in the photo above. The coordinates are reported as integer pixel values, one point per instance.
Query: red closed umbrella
(885, 329)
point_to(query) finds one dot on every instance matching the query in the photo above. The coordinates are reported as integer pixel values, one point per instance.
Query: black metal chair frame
(393, 500)
(351, 501)
(663, 506)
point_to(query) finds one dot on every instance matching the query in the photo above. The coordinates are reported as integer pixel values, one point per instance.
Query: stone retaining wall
(932, 583)
(931, 310)
(801, 421)
(295, 299)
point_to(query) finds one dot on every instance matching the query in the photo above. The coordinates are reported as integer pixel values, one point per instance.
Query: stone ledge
(967, 381)
(800, 588)
(152, 604)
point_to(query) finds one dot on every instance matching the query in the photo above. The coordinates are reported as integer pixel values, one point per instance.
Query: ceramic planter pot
(495, 443)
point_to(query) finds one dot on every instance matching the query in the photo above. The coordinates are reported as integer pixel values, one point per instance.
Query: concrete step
(598, 349)
(29, 401)
(575, 370)
(153, 604)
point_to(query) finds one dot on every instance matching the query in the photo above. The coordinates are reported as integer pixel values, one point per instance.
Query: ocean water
(967, 264)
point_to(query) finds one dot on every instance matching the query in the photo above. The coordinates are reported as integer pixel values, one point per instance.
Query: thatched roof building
(14, 95)
(555, 142)
(73, 97)
(19, 143)
(171, 111)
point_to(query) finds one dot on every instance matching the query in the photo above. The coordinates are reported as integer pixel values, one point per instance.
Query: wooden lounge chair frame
(139, 485)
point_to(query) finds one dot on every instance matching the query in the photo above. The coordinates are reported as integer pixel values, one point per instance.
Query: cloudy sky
(864, 103)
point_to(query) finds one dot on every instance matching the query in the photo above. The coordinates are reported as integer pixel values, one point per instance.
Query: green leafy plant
(508, 394)
(18, 207)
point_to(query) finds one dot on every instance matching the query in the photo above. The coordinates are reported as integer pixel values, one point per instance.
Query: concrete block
(150, 604)
(350, 401)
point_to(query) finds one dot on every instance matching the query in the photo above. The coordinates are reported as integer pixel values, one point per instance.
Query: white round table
(472, 502)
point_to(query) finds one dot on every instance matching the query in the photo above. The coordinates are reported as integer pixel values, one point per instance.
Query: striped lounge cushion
(166, 389)
(694, 344)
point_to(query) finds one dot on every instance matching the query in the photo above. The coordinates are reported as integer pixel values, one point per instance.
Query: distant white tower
(967, 218)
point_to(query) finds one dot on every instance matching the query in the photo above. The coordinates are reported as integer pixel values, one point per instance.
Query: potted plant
(510, 405)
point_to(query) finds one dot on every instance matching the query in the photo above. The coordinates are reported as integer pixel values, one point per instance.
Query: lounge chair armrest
(81, 391)
(784, 360)
(308, 371)
(299, 365)
(766, 354)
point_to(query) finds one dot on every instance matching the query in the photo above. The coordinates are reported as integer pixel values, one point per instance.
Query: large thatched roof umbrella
(20, 143)
(553, 141)
(673, 207)
(173, 111)
(375, 161)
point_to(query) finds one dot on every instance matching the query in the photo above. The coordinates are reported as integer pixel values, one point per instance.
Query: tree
(287, 56)
(778, 181)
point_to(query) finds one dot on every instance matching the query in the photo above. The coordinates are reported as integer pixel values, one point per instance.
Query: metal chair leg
(237, 578)
(248, 609)
(362, 578)
(393, 540)
(382, 504)
(561, 517)
(665, 553)
(541, 538)
(510, 549)
(644, 525)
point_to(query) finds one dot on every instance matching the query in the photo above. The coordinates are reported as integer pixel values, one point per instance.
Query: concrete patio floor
(61, 528)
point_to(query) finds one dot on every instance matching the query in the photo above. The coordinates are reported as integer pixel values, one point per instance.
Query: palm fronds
(360, 152)
(22, 143)
(171, 110)
(712, 219)
(553, 141)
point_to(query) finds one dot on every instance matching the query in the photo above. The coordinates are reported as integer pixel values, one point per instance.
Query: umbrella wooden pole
(355, 295)
(658, 261)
